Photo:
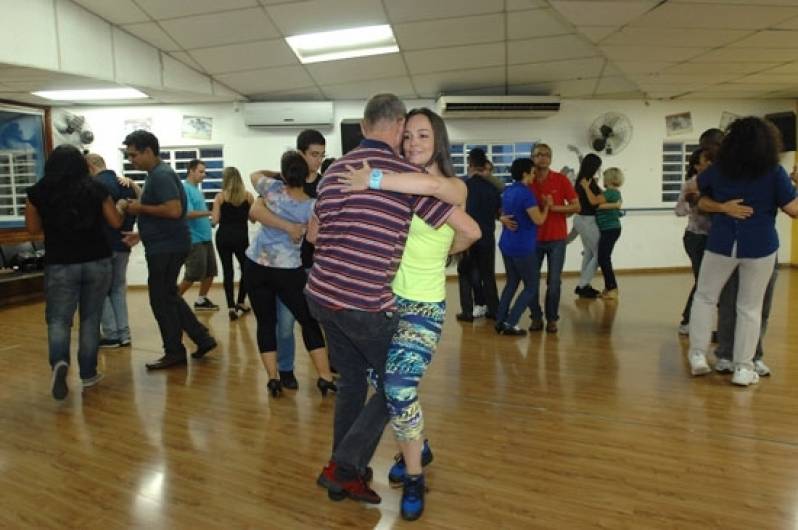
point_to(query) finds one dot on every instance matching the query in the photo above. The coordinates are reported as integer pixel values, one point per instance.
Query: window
(675, 159)
(179, 157)
(501, 154)
(21, 159)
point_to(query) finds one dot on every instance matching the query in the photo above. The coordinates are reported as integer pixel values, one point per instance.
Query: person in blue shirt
(518, 246)
(750, 185)
(201, 260)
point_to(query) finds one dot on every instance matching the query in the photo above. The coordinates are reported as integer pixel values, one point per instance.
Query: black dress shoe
(462, 317)
(167, 361)
(288, 380)
(204, 348)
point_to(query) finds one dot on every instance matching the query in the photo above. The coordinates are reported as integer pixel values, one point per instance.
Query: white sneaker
(761, 368)
(724, 366)
(744, 376)
(698, 363)
(90, 382)
(479, 311)
(684, 329)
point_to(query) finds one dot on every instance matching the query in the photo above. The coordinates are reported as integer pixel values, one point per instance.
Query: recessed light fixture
(343, 44)
(96, 94)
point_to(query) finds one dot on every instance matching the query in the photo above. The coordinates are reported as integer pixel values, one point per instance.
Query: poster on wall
(678, 123)
(135, 124)
(726, 118)
(197, 127)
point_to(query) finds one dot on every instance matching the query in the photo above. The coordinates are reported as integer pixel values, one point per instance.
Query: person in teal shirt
(608, 219)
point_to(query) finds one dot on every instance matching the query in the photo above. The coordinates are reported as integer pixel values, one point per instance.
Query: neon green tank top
(422, 276)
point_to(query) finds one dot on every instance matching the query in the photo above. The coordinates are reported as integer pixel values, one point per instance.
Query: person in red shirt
(552, 235)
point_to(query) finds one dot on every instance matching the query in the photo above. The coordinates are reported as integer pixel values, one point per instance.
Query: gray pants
(754, 274)
(586, 227)
(727, 316)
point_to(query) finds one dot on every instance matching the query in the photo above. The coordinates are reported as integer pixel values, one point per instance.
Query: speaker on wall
(785, 123)
(350, 136)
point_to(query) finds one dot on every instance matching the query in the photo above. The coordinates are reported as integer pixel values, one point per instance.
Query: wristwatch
(375, 179)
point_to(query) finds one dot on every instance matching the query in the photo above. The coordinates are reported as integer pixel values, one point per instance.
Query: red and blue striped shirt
(362, 235)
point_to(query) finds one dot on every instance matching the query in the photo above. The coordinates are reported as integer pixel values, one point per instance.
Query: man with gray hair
(359, 240)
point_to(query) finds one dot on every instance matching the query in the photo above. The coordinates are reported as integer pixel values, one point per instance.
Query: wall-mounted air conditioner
(497, 106)
(289, 114)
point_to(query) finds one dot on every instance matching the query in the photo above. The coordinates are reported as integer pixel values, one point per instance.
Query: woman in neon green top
(420, 289)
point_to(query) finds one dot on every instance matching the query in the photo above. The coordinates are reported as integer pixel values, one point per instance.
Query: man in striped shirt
(360, 240)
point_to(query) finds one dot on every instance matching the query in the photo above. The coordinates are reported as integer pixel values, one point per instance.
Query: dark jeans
(226, 252)
(71, 287)
(169, 308)
(358, 342)
(519, 269)
(727, 316)
(476, 274)
(264, 285)
(694, 245)
(554, 252)
(607, 241)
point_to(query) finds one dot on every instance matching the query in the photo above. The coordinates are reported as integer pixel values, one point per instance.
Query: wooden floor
(599, 426)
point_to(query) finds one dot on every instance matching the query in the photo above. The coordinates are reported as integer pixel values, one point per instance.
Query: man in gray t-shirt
(164, 232)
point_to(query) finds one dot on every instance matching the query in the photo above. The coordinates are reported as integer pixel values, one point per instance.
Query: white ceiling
(572, 48)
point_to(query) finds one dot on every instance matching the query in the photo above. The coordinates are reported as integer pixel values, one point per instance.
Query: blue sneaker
(396, 475)
(412, 504)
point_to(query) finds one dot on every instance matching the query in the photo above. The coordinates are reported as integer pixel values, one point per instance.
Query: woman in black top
(231, 213)
(585, 225)
(72, 209)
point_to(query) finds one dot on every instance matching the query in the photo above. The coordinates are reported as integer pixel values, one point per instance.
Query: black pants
(228, 248)
(264, 285)
(476, 275)
(607, 241)
(358, 344)
(694, 245)
(173, 314)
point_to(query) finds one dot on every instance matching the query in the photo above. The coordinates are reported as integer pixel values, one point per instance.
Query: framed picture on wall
(22, 155)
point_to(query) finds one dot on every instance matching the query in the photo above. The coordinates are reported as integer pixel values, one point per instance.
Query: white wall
(649, 240)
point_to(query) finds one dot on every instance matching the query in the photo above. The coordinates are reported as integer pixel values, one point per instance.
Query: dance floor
(598, 426)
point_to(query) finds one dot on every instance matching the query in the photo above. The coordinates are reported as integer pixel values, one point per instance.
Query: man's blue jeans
(554, 253)
(69, 288)
(114, 323)
(519, 269)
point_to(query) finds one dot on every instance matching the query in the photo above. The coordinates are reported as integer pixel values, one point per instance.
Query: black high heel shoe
(275, 387)
(323, 385)
(244, 309)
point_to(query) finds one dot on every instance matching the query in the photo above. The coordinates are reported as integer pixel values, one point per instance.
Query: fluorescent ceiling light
(98, 94)
(343, 44)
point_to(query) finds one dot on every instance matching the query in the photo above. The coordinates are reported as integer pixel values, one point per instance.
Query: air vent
(499, 107)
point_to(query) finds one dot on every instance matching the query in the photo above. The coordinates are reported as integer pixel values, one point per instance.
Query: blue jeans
(285, 338)
(518, 269)
(114, 322)
(554, 252)
(67, 288)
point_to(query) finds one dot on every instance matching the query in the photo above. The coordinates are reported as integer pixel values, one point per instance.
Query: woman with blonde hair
(231, 212)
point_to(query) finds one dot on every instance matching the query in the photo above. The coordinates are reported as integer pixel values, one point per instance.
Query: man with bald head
(114, 324)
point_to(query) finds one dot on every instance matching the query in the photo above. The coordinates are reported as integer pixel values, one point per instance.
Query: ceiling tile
(601, 13)
(297, 94)
(739, 2)
(413, 10)
(401, 86)
(152, 33)
(362, 68)
(202, 31)
(649, 53)
(718, 68)
(641, 67)
(791, 68)
(451, 32)
(685, 80)
(319, 15)
(455, 58)
(770, 39)
(521, 5)
(115, 11)
(186, 59)
(769, 79)
(555, 71)
(238, 57)
(695, 16)
(536, 23)
(267, 80)
(596, 33)
(567, 89)
(733, 55)
(614, 85)
(549, 49)
(431, 85)
(158, 9)
(666, 37)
